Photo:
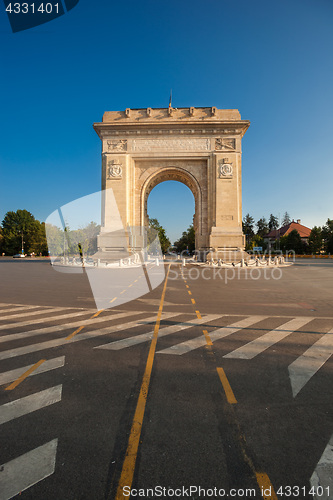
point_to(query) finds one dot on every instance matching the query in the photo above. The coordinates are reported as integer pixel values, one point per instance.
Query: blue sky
(271, 59)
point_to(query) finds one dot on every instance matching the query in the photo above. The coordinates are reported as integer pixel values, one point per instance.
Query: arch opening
(178, 176)
(172, 204)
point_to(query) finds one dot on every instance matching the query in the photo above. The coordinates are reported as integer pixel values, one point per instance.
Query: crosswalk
(26, 330)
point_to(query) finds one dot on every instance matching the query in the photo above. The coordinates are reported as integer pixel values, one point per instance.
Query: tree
(186, 241)
(315, 240)
(327, 234)
(248, 226)
(286, 219)
(164, 240)
(273, 222)
(248, 230)
(21, 231)
(257, 241)
(294, 242)
(262, 226)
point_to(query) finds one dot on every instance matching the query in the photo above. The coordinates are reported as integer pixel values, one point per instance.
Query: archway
(179, 175)
(200, 147)
(172, 204)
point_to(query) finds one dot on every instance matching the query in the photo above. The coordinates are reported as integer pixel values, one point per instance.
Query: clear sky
(271, 59)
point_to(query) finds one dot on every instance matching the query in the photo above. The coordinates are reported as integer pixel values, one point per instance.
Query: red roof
(303, 231)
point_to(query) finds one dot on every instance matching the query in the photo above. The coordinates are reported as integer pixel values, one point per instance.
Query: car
(18, 255)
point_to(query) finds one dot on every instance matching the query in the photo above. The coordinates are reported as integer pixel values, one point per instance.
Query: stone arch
(173, 173)
(200, 147)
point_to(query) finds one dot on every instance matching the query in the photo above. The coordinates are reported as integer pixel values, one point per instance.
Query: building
(276, 234)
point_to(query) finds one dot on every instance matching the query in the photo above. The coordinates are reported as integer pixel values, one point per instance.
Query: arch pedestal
(200, 147)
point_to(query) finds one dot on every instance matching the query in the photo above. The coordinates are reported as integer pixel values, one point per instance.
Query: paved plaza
(218, 378)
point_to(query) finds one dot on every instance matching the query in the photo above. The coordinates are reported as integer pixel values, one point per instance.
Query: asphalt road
(215, 379)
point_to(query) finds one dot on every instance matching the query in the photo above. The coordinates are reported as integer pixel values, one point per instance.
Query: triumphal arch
(200, 147)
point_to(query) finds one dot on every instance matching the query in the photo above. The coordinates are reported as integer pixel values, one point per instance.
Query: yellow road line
(208, 339)
(24, 375)
(74, 333)
(226, 386)
(97, 314)
(129, 286)
(198, 314)
(265, 486)
(189, 292)
(193, 301)
(115, 298)
(127, 472)
(187, 286)
(122, 292)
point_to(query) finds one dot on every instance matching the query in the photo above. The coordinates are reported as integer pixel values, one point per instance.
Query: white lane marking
(18, 308)
(259, 345)
(50, 364)
(138, 339)
(220, 333)
(28, 469)
(28, 404)
(303, 368)
(66, 326)
(323, 474)
(20, 351)
(33, 313)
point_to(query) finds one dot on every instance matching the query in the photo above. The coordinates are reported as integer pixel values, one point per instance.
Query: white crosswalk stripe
(220, 333)
(20, 351)
(321, 479)
(19, 309)
(48, 365)
(259, 345)
(35, 321)
(34, 313)
(168, 330)
(28, 469)
(304, 367)
(66, 326)
(28, 404)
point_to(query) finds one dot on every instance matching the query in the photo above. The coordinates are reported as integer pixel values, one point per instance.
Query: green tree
(283, 243)
(327, 234)
(248, 226)
(186, 241)
(294, 242)
(1, 241)
(315, 240)
(85, 237)
(257, 241)
(273, 222)
(262, 226)
(248, 230)
(164, 240)
(286, 219)
(22, 230)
